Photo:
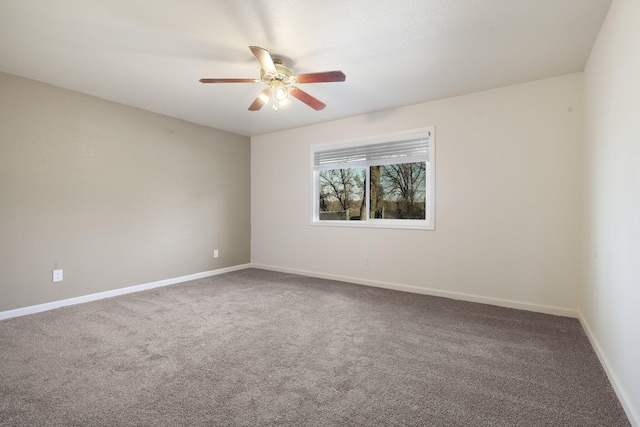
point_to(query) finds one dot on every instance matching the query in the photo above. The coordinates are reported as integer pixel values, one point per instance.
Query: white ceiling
(151, 53)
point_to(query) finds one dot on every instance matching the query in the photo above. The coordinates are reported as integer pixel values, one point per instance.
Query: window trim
(370, 140)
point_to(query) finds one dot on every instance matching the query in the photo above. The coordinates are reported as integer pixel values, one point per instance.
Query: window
(385, 181)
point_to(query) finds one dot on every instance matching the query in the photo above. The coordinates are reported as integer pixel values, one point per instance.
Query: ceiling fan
(280, 82)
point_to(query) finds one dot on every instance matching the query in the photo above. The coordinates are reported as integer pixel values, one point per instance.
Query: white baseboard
(557, 311)
(623, 397)
(108, 294)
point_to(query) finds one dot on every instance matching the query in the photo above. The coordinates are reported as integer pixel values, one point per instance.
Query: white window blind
(402, 151)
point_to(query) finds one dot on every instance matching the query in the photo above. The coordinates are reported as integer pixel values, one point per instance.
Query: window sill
(405, 225)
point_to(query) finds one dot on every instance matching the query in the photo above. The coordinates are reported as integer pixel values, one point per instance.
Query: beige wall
(611, 293)
(113, 195)
(508, 200)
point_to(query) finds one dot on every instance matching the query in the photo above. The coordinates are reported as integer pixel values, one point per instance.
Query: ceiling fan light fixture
(284, 102)
(277, 103)
(264, 96)
(281, 93)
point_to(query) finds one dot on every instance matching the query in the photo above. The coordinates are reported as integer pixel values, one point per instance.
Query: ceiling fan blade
(327, 76)
(264, 58)
(307, 99)
(229, 81)
(261, 99)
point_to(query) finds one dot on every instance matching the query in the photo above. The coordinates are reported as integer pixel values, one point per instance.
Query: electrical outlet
(215, 253)
(57, 275)
(366, 260)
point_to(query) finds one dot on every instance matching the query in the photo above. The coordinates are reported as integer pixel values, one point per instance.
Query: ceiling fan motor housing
(284, 74)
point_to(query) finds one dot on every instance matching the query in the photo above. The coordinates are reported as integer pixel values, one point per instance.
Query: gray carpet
(259, 348)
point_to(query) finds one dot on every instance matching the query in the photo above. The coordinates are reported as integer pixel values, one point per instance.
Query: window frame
(414, 224)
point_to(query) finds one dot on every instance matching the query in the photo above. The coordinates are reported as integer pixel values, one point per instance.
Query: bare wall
(113, 195)
(508, 200)
(610, 300)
